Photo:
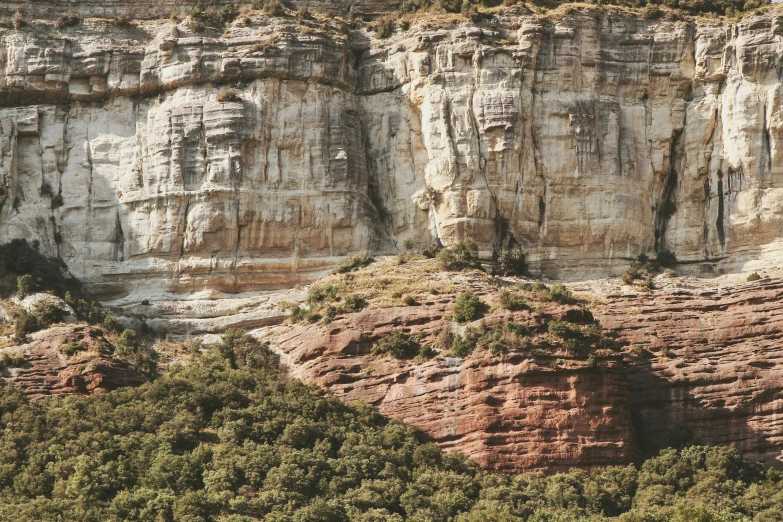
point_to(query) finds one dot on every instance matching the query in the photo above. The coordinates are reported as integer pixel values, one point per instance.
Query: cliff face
(719, 378)
(586, 139)
(519, 411)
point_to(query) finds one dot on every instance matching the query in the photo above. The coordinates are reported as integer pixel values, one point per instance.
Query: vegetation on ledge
(229, 437)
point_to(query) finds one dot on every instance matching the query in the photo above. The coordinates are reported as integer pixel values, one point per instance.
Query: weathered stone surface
(722, 378)
(513, 412)
(49, 372)
(587, 139)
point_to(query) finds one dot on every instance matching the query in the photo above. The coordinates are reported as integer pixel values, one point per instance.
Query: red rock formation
(513, 412)
(715, 366)
(47, 371)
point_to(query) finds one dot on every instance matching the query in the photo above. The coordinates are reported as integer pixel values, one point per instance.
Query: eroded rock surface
(587, 139)
(714, 365)
(47, 371)
(514, 412)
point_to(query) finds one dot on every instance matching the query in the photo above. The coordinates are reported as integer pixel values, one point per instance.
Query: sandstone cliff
(690, 364)
(586, 138)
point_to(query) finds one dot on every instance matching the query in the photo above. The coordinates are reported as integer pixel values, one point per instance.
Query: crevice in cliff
(719, 219)
(667, 206)
(765, 165)
(118, 241)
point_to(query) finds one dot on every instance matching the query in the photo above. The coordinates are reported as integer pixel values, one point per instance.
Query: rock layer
(714, 367)
(587, 139)
(49, 372)
(513, 412)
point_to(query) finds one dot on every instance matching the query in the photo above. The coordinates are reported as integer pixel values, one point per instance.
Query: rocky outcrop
(705, 364)
(518, 411)
(47, 371)
(586, 138)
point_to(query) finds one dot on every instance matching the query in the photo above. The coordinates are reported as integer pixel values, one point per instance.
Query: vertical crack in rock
(118, 240)
(765, 160)
(719, 219)
(667, 205)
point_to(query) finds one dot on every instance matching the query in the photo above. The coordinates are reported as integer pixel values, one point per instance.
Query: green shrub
(25, 285)
(753, 276)
(462, 256)
(121, 20)
(70, 349)
(560, 294)
(353, 263)
(24, 323)
(460, 347)
(512, 262)
(512, 301)
(111, 324)
(432, 250)
(540, 286)
(145, 302)
(127, 343)
(322, 294)
(397, 344)
(562, 329)
(409, 300)
(12, 359)
(228, 12)
(592, 362)
(468, 307)
(408, 245)
(354, 303)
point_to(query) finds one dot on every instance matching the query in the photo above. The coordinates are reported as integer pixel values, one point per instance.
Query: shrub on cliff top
(753, 276)
(462, 256)
(353, 263)
(468, 307)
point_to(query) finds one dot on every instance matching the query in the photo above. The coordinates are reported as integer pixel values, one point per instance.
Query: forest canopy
(230, 437)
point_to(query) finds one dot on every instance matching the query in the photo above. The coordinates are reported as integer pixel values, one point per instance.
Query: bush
(69, 19)
(228, 12)
(562, 329)
(24, 323)
(145, 302)
(540, 287)
(592, 362)
(408, 245)
(354, 263)
(12, 359)
(127, 343)
(49, 314)
(462, 256)
(409, 300)
(18, 20)
(111, 324)
(512, 301)
(512, 263)
(273, 8)
(354, 303)
(468, 307)
(24, 286)
(666, 259)
(397, 344)
(432, 250)
(70, 349)
(383, 28)
(753, 276)
(228, 95)
(560, 294)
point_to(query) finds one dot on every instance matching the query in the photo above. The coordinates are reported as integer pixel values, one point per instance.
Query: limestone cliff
(586, 138)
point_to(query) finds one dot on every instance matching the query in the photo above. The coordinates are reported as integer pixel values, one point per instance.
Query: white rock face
(586, 140)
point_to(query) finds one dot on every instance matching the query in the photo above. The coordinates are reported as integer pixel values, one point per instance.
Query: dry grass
(386, 283)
